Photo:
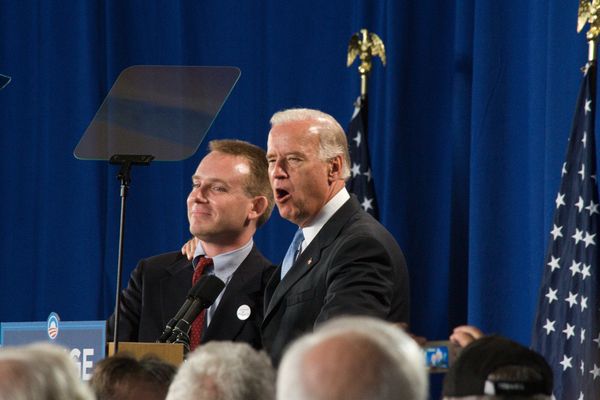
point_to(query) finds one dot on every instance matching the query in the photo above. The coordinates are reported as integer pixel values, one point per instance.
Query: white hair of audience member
(40, 371)
(353, 358)
(224, 371)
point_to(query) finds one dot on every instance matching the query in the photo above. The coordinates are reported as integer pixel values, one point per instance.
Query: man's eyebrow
(289, 153)
(210, 180)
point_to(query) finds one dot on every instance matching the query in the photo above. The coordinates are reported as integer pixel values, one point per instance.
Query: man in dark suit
(229, 200)
(342, 261)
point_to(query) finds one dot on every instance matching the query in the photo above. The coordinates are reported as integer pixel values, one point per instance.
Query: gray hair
(40, 371)
(376, 361)
(224, 371)
(332, 138)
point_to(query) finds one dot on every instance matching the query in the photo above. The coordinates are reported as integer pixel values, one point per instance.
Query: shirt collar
(324, 215)
(226, 264)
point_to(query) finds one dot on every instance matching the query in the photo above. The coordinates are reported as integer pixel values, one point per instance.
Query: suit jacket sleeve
(360, 280)
(130, 309)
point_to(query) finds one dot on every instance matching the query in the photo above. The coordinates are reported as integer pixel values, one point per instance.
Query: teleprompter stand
(151, 113)
(124, 176)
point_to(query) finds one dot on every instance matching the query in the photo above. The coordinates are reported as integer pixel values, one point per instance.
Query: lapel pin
(243, 312)
(309, 261)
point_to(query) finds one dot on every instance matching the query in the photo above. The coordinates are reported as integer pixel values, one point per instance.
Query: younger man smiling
(230, 198)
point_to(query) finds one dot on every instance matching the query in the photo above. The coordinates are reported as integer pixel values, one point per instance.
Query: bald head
(341, 357)
(353, 358)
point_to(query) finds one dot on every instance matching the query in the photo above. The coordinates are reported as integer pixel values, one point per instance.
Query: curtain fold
(468, 125)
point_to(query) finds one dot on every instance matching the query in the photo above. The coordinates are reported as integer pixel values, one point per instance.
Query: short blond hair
(257, 183)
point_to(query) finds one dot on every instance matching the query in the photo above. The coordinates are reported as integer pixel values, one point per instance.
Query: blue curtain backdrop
(468, 124)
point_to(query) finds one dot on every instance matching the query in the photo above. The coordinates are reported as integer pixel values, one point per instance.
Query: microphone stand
(184, 338)
(124, 176)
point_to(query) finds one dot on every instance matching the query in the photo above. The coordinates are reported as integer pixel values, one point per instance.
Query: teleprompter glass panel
(162, 111)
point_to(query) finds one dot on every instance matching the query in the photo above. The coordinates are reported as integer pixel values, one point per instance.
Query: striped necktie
(198, 324)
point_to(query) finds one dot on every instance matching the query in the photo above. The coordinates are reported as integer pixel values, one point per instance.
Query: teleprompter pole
(124, 176)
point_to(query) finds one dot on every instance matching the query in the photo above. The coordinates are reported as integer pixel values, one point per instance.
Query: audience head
(353, 358)
(123, 377)
(494, 367)
(308, 159)
(224, 371)
(40, 371)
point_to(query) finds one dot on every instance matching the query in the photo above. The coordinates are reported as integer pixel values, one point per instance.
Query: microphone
(192, 294)
(210, 288)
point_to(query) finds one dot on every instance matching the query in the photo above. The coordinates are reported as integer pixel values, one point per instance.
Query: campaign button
(243, 312)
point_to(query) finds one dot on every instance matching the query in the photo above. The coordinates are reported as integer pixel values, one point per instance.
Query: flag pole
(365, 45)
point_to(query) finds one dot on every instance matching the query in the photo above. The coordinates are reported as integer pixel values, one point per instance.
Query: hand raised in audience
(465, 334)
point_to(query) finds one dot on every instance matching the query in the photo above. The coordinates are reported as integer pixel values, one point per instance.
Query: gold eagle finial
(588, 12)
(365, 45)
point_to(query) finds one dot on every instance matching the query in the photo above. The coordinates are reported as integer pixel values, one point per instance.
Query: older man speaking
(341, 260)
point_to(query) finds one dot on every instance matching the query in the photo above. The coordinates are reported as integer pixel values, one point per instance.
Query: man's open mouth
(281, 194)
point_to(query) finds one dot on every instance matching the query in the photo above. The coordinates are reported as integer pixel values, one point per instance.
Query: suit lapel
(175, 284)
(270, 288)
(310, 257)
(307, 260)
(244, 282)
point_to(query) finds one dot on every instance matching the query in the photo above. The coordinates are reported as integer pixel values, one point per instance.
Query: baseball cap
(468, 376)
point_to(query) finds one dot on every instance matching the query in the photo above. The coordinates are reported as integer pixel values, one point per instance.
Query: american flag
(361, 179)
(567, 330)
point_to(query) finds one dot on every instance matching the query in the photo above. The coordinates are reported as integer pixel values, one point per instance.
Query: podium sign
(85, 340)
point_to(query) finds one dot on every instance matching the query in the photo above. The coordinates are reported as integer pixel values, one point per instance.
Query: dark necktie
(198, 324)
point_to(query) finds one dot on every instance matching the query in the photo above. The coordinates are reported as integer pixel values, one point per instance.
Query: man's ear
(259, 206)
(335, 169)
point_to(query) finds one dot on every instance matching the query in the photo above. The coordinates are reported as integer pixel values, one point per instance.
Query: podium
(171, 353)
